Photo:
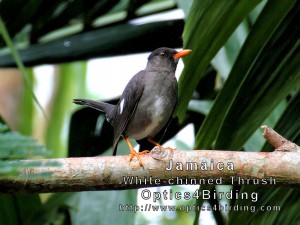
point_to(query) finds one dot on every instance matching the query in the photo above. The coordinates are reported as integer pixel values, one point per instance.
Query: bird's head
(165, 58)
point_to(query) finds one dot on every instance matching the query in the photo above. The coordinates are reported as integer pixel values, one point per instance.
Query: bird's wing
(127, 106)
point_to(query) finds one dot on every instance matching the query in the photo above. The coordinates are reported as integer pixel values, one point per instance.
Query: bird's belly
(149, 118)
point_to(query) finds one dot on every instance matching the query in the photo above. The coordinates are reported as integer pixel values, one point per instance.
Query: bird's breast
(154, 109)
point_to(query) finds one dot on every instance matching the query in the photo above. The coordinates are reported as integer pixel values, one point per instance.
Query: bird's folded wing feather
(127, 106)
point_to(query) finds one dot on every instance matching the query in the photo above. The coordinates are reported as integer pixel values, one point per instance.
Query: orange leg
(133, 152)
(157, 144)
(154, 142)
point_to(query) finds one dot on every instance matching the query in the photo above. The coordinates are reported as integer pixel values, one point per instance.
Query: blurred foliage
(243, 72)
(27, 106)
(70, 80)
(15, 54)
(70, 30)
(39, 18)
(15, 146)
(254, 83)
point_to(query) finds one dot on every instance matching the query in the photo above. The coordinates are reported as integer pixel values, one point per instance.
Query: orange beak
(182, 53)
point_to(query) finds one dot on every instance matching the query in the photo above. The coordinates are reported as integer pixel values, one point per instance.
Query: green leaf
(200, 106)
(200, 201)
(185, 5)
(256, 141)
(289, 123)
(226, 57)
(103, 207)
(289, 213)
(17, 58)
(205, 33)
(235, 107)
(257, 212)
(48, 213)
(287, 199)
(27, 107)
(70, 81)
(13, 145)
(18, 209)
(8, 213)
(273, 75)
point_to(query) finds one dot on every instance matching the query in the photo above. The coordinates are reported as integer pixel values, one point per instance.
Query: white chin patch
(121, 106)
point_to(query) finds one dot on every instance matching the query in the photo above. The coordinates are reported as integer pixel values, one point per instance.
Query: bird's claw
(171, 149)
(137, 155)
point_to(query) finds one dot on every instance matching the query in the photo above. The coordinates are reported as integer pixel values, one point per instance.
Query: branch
(280, 143)
(163, 166)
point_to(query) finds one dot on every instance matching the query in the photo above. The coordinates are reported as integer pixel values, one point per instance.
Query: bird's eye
(162, 54)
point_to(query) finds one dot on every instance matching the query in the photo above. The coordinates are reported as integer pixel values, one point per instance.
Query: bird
(147, 102)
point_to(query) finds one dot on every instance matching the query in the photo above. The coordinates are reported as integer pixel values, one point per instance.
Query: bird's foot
(133, 153)
(137, 155)
(171, 149)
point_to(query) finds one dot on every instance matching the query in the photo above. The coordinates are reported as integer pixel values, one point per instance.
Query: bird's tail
(101, 106)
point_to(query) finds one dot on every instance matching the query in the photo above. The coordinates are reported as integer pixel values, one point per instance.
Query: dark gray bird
(147, 102)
